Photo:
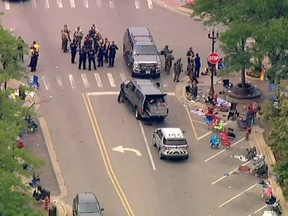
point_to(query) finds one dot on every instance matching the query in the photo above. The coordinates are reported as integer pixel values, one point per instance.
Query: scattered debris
(240, 157)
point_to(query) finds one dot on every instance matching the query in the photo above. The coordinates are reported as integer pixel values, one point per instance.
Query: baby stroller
(260, 168)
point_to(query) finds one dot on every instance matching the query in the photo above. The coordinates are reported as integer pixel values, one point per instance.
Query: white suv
(170, 143)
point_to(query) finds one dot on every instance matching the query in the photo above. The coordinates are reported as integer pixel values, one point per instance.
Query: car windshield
(89, 207)
(175, 142)
(145, 50)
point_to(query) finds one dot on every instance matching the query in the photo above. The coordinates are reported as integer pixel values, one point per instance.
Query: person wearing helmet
(178, 68)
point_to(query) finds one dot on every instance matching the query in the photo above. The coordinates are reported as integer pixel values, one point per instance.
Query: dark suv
(140, 52)
(86, 203)
(146, 98)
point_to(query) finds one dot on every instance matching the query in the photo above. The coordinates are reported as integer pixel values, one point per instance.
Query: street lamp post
(213, 35)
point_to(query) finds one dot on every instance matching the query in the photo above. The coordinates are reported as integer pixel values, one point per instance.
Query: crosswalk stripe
(85, 80)
(150, 4)
(46, 83)
(7, 5)
(111, 4)
(47, 5)
(33, 3)
(98, 2)
(72, 81)
(59, 3)
(85, 2)
(98, 80)
(111, 80)
(72, 4)
(123, 77)
(137, 4)
(59, 82)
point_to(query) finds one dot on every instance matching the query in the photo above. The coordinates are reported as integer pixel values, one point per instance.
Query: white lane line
(72, 81)
(123, 77)
(258, 210)
(98, 80)
(72, 4)
(59, 81)
(85, 80)
(111, 80)
(33, 3)
(7, 5)
(46, 83)
(59, 3)
(98, 3)
(47, 5)
(147, 145)
(237, 196)
(85, 3)
(150, 4)
(111, 4)
(224, 150)
(218, 180)
(137, 4)
(114, 93)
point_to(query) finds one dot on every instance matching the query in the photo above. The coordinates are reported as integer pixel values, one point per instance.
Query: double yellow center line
(105, 156)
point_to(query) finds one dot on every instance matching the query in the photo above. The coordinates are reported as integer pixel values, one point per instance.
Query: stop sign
(213, 58)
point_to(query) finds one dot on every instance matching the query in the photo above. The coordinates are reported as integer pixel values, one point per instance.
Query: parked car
(86, 204)
(140, 52)
(146, 98)
(170, 143)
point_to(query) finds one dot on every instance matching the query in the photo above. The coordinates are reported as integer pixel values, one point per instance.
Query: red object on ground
(46, 204)
(244, 168)
(20, 143)
(213, 58)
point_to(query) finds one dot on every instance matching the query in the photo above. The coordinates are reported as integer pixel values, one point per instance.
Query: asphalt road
(86, 122)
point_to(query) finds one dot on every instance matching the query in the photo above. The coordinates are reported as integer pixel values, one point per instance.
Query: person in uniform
(190, 55)
(91, 59)
(120, 96)
(20, 48)
(34, 59)
(168, 61)
(178, 68)
(100, 54)
(197, 61)
(112, 53)
(73, 48)
(78, 36)
(165, 51)
(65, 36)
(82, 58)
(92, 31)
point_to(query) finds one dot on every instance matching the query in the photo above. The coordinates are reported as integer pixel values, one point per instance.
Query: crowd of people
(94, 46)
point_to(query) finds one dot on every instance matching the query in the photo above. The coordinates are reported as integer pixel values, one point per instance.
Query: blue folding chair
(34, 83)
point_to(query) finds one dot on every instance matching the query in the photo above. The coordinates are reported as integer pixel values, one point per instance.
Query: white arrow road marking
(7, 5)
(47, 5)
(85, 2)
(111, 80)
(150, 4)
(46, 83)
(59, 3)
(122, 150)
(72, 4)
(72, 81)
(237, 195)
(98, 80)
(59, 82)
(123, 77)
(85, 80)
(98, 3)
(33, 3)
(137, 4)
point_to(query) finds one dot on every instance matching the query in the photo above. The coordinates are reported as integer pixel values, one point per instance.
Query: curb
(60, 206)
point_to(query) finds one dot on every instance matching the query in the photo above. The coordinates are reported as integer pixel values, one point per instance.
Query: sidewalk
(37, 143)
(257, 138)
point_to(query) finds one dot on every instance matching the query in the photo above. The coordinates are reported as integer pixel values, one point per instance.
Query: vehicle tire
(137, 115)
(160, 154)
(154, 143)
(186, 157)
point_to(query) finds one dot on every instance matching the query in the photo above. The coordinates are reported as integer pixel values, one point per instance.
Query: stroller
(260, 168)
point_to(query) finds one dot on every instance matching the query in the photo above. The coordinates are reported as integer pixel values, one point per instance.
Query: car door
(128, 91)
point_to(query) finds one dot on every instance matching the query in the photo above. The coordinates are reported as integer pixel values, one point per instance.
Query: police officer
(197, 61)
(106, 49)
(91, 58)
(120, 96)
(112, 53)
(78, 36)
(190, 55)
(34, 59)
(65, 36)
(168, 61)
(101, 51)
(165, 51)
(82, 58)
(92, 31)
(178, 68)
(73, 48)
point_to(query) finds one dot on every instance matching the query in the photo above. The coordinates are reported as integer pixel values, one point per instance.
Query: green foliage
(281, 169)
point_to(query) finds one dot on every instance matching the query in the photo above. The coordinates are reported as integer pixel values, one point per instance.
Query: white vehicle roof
(172, 133)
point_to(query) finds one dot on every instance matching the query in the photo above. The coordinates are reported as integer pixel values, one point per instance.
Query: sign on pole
(213, 58)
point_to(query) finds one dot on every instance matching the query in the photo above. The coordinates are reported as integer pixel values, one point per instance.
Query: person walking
(178, 68)
(112, 54)
(121, 93)
(197, 61)
(91, 59)
(73, 48)
(82, 58)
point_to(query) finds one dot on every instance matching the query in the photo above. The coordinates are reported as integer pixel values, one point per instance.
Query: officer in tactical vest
(91, 58)
(73, 48)
(78, 36)
(178, 68)
(112, 53)
(82, 58)
(168, 61)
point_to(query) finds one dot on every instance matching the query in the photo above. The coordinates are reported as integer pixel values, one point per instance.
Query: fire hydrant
(47, 201)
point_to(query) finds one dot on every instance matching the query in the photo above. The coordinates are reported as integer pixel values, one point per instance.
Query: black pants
(82, 61)
(64, 45)
(197, 71)
(89, 63)
(100, 61)
(33, 63)
(73, 55)
(111, 61)
(106, 57)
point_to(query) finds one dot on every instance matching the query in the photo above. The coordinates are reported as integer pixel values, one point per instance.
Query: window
(174, 141)
(145, 50)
